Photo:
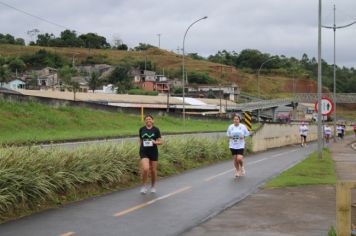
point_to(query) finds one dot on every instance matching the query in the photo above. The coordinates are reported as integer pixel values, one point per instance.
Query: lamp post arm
(189, 28)
(338, 27)
(344, 26)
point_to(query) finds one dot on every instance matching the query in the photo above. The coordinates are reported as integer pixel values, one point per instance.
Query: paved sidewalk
(294, 211)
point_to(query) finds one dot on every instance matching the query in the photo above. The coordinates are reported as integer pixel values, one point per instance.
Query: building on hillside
(14, 84)
(230, 92)
(47, 78)
(83, 83)
(149, 81)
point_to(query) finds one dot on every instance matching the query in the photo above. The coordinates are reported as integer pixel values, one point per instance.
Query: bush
(142, 92)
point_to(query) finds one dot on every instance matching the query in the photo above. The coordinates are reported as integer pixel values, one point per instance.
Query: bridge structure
(312, 97)
(268, 108)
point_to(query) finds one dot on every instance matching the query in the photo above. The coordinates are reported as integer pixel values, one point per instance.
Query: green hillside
(32, 122)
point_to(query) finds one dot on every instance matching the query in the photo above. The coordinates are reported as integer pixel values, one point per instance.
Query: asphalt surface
(181, 201)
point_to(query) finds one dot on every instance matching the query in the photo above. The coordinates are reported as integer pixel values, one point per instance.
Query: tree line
(250, 60)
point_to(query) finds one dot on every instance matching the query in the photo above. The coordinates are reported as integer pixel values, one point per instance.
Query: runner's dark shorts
(150, 153)
(303, 136)
(237, 151)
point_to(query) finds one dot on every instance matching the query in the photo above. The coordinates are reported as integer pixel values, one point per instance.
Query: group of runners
(150, 138)
(340, 130)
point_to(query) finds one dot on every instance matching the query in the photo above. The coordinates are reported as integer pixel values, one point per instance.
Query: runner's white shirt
(236, 132)
(303, 130)
(327, 130)
(339, 129)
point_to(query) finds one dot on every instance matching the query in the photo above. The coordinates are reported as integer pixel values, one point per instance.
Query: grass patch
(30, 122)
(308, 172)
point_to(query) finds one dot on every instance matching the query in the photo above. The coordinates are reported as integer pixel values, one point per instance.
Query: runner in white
(303, 131)
(327, 132)
(237, 133)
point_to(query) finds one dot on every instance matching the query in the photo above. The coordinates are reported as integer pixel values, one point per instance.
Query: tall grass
(32, 178)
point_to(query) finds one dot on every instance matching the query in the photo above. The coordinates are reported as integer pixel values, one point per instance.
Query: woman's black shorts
(237, 151)
(150, 153)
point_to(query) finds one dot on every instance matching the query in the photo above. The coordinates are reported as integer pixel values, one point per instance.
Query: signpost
(327, 106)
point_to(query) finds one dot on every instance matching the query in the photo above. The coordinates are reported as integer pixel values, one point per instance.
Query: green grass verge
(33, 122)
(33, 179)
(308, 172)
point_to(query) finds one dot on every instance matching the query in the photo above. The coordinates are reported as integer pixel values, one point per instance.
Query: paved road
(182, 201)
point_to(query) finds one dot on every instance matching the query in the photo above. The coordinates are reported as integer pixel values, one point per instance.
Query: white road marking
(284, 153)
(225, 172)
(131, 209)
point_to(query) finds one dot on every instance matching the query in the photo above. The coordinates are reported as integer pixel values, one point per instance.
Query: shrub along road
(182, 201)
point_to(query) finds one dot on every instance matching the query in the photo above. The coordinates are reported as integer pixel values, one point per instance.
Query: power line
(34, 16)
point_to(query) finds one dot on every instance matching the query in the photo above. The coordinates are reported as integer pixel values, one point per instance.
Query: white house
(14, 84)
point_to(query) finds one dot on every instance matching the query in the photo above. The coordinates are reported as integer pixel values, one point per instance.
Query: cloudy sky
(278, 27)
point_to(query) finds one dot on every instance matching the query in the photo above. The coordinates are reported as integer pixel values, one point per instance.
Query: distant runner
(237, 133)
(339, 131)
(150, 137)
(303, 131)
(355, 129)
(327, 132)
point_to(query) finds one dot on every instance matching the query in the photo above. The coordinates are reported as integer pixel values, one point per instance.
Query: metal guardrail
(312, 97)
(264, 104)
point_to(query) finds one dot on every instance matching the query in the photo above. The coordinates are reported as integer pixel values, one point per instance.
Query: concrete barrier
(279, 135)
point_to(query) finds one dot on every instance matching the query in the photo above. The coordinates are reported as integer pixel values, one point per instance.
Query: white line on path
(225, 172)
(121, 213)
(284, 153)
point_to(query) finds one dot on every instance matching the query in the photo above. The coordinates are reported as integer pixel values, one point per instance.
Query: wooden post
(142, 113)
(343, 207)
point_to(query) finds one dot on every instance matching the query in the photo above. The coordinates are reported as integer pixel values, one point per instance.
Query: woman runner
(237, 133)
(150, 137)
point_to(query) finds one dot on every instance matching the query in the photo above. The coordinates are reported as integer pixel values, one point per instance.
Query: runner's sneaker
(243, 172)
(237, 173)
(143, 190)
(153, 190)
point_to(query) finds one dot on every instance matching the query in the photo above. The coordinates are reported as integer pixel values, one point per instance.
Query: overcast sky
(278, 27)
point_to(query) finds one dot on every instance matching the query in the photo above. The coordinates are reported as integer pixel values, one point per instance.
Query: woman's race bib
(147, 143)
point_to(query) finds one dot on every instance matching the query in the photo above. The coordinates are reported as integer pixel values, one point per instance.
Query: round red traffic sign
(327, 106)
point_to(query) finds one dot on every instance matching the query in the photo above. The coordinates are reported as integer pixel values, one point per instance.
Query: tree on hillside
(121, 78)
(122, 47)
(9, 39)
(66, 74)
(45, 39)
(70, 39)
(17, 65)
(43, 58)
(4, 75)
(92, 40)
(94, 81)
(143, 47)
(251, 58)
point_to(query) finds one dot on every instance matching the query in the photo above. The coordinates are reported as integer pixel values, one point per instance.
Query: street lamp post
(320, 154)
(334, 27)
(183, 66)
(258, 84)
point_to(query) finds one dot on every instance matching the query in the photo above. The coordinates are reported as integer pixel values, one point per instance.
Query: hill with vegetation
(169, 63)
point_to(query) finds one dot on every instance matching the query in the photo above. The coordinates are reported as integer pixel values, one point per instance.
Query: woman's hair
(148, 116)
(237, 117)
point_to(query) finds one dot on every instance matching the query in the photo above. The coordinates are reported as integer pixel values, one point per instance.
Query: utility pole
(334, 27)
(320, 154)
(159, 40)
